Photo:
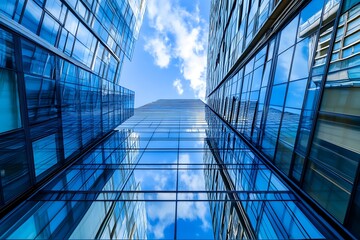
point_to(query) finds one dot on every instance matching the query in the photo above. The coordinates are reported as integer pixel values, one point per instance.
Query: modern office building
(284, 76)
(174, 170)
(83, 202)
(274, 154)
(60, 63)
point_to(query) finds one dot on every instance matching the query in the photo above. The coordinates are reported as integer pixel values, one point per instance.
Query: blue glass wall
(174, 170)
(60, 64)
(290, 87)
(257, 205)
(77, 204)
(61, 110)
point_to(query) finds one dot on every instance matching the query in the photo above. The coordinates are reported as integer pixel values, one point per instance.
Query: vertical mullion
(321, 93)
(58, 95)
(177, 178)
(24, 108)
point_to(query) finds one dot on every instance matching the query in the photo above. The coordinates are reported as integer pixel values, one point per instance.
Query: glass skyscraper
(60, 63)
(284, 75)
(174, 170)
(273, 154)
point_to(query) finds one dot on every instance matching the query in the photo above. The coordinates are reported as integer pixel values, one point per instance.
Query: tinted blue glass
(283, 157)
(49, 29)
(266, 75)
(289, 125)
(295, 94)
(56, 8)
(333, 196)
(37, 60)
(71, 119)
(272, 129)
(7, 57)
(302, 60)
(15, 169)
(288, 35)
(41, 99)
(278, 95)
(355, 213)
(257, 77)
(7, 7)
(82, 53)
(45, 154)
(32, 16)
(69, 43)
(283, 66)
(71, 23)
(9, 101)
(308, 17)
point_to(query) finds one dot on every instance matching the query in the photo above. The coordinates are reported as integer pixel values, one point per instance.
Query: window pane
(308, 18)
(283, 66)
(31, 16)
(302, 60)
(40, 93)
(45, 154)
(355, 213)
(49, 29)
(289, 125)
(283, 157)
(295, 94)
(57, 9)
(7, 7)
(288, 35)
(37, 61)
(327, 189)
(9, 101)
(7, 59)
(342, 100)
(278, 95)
(14, 166)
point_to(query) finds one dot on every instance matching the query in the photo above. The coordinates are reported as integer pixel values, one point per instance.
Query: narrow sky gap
(171, 52)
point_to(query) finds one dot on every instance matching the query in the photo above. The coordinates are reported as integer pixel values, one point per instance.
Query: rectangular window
(13, 164)
(45, 154)
(32, 16)
(283, 66)
(9, 97)
(40, 93)
(9, 101)
(49, 29)
(7, 7)
(37, 60)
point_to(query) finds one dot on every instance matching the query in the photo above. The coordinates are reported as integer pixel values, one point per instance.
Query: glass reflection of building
(83, 202)
(284, 75)
(174, 170)
(60, 63)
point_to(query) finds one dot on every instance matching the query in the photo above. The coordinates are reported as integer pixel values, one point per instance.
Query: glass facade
(60, 64)
(274, 154)
(287, 83)
(174, 170)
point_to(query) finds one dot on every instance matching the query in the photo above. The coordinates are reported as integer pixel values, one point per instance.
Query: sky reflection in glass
(160, 176)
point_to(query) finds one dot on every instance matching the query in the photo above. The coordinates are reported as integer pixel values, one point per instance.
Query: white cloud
(162, 213)
(163, 218)
(179, 87)
(189, 39)
(159, 50)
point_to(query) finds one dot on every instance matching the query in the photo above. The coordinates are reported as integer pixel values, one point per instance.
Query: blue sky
(169, 60)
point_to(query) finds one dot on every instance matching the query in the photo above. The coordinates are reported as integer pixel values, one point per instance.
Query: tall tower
(284, 75)
(175, 170)
(60, 64)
